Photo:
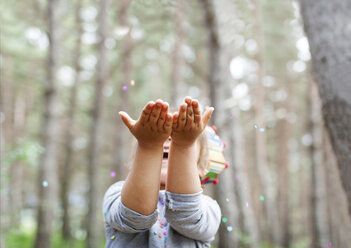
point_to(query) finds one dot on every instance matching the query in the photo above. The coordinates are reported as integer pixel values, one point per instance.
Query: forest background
(277, 73)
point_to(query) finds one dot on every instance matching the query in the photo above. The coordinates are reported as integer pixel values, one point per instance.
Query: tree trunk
(284, 134)
(242, 184)
(261, 140)
(121, 138)
(69, 135)
(47, 165)
(224, 190)
(330, 44)
(340, 224)
(7, 141)
(95, 135)
(178, 58)
(319, 196)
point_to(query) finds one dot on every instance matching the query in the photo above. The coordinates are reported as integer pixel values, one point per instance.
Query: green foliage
(25, 238)
(27, 151)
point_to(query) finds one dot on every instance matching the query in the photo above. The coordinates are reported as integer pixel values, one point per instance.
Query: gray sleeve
(117, 215)
(195, 216)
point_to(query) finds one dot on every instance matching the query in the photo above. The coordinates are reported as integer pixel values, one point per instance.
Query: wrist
(182, 145)
(150, 146)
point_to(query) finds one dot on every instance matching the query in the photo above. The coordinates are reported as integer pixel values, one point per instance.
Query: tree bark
(178, 58)
(69, 135)
(47, 165)
(340, 224)
(261, 140)
(95, 133)
(330, 44)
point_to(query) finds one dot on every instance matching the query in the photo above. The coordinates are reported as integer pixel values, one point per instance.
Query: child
(136, 212)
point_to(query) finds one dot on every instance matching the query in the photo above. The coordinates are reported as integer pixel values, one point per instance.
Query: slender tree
(261, 141)
(66, 174)
(121, 138)
(324, 24)
(178, 57)
(47, 165)
(319, 196)
(96, 128)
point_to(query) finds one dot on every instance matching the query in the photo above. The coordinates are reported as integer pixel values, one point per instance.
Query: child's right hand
(154, 125)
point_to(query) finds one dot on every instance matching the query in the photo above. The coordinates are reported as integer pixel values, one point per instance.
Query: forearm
(141, 189)
(183, 175)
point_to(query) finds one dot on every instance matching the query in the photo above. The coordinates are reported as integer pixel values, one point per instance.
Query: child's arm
(140, 191)
(188, 211)
(183, 175)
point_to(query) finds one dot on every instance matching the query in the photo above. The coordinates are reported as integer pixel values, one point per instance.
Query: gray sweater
(180, 220)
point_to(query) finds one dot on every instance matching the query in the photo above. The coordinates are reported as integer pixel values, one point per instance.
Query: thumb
(207, 115)
(128, 121)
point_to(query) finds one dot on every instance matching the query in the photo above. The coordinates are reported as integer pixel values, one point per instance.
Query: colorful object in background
(229, 228)
(224, 220)
(125, 87)
(113, 174)
(216, 158)
(45, 184)
(132, 82)
(329, 244)
(262, 198)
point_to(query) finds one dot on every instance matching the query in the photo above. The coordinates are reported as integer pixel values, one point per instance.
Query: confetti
(105, 213)
(262, 198)
(159, 235)
(125, 87)
(165, 233)
(113, 174)
(224, 220)
(229, 228)
(261, 129)
(247, 204)
(329, 244)
(155, 233)
(45, 184)
(113, 237)
(132, 82)
(227, 199)
(255, 126)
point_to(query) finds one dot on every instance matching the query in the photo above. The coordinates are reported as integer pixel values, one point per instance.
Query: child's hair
(202, 140)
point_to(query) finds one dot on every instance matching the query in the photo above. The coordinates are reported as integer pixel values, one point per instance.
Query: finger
(175, 120)
(197, 113)
(127, 120)
(188, 100)
(207, 115)
(145, 115)
(155, 113)
(189, 114)
(182, 115)
(168, 123)
(163, 114)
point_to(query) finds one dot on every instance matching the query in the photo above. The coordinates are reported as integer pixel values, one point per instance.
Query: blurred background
(68, 67)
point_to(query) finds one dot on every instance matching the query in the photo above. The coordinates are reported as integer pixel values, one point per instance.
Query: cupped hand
(188, 123)
(154, 125)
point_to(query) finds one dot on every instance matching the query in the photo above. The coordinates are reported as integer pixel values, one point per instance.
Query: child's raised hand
(154, 125)
(188, 123)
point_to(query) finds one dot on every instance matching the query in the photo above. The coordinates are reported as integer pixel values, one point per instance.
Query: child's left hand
(188, 123)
